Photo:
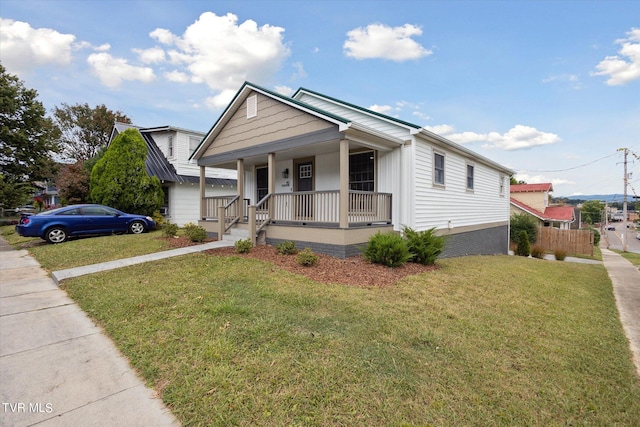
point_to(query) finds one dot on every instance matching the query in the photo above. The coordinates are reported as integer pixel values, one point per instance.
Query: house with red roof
(535, 200)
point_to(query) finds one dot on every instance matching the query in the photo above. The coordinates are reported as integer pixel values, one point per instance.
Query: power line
(571, 168)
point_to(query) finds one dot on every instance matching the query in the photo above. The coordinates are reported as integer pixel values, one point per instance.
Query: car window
(69, 212)
(96, 211)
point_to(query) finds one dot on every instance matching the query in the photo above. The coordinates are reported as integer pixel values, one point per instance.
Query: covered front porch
(279, 211)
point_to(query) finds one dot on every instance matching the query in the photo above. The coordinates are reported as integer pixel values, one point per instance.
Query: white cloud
(300, 72)
(176, 76)
(102, 48)
(381, 41)
(441, 130)
(517, 138)
(222, 99)
(23, 48)
(383, 109)
(571, 79)
(620, 70)
(112, 71)
(221, 53)
(154, 55)
(284, 90)
(421, 115)
(539, 179)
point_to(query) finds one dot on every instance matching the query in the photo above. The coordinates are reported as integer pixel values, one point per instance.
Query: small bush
(523, 248)
(388, 249)
(307, 258)
(424, 246)
(537, 252)
(596, 236)
(526, 222)
(287, 248)
(560, 254)
(243, 246)
(170, 230)
(195, 233)
(161, 222)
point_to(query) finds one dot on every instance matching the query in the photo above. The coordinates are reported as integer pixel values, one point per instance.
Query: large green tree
(119, 179)
(592, 211)
(85, 130)
(27, 137)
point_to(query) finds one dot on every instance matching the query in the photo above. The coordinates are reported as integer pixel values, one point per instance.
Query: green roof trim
(357, 107)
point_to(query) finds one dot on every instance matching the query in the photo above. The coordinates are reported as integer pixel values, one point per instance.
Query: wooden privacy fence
(570, 241)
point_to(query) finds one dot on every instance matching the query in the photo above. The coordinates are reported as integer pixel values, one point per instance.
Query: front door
(262, 182)
(304, 183)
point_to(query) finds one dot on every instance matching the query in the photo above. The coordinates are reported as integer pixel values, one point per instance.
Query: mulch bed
(354, 271)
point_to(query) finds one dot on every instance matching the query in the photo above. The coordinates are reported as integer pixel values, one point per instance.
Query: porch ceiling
(308, 145)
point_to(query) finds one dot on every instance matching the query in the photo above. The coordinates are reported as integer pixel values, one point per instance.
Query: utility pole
(624, 203)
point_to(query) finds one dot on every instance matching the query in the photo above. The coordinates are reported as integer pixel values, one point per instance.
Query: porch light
(285, 173)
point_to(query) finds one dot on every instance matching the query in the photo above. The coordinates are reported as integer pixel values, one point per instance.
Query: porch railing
(324, 207)
(232, 205)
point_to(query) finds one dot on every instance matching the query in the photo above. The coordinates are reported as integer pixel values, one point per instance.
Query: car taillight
(25, 221)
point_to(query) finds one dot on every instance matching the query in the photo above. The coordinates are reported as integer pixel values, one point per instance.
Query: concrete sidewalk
(626, 288)
(111, 265)
(56, 366)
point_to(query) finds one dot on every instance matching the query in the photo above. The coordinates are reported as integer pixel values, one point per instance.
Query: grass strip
(482, 341)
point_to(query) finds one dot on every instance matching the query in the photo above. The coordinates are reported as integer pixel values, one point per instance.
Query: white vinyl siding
(435, 206)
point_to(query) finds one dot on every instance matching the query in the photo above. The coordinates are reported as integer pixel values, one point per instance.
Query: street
(615, 238)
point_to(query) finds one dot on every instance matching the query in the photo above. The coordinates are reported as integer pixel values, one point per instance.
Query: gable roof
(552, 213)
(158, 165)
(529, 188)
(356, 129)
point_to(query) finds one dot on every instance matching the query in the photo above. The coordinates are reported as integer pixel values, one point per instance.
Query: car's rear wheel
(56, 235)
(136, 227)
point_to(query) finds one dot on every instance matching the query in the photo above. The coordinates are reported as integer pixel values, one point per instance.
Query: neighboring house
(534, 199)
(47, 192)
(169, 149)
(328, 174)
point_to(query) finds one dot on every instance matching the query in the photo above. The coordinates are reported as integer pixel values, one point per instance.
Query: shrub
(243, 246)
(520, 222)
(287, 248)
(560, 254)
(170, 229)
(307, 258)
(161, 222)
(523, 248)
(388, 249)
(195, 233)
(537, 252)
(596, 236)
(424, 246)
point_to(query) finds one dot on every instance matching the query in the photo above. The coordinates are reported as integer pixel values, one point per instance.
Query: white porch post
(272, 180)
(344, 183)
(202, 192)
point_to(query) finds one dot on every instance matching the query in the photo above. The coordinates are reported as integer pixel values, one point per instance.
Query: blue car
(57, 225)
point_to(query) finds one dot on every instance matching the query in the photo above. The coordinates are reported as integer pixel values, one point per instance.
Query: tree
(27, 137)
(592, 211)
(523, 248)
(514, 181)
(84, 130)
(72, 183)
(119, 179)
(523, 222)
(73, 179)
(14, 194)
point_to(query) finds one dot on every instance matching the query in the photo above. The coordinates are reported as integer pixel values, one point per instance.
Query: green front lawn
(481, 341)
(86, 250)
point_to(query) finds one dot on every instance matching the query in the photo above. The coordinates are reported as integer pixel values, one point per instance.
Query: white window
(502, 185)
(438, 169)
(170, 146)
(470, 170)
(194, 141)
(252, 106)
(306, 171)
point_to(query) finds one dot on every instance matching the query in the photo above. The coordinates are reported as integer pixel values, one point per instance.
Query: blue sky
(550, 89)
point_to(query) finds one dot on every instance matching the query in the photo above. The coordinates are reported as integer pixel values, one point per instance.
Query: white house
(328, 174)
(169, 149)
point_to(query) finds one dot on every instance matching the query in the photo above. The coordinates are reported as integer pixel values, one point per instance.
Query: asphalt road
(616, 236)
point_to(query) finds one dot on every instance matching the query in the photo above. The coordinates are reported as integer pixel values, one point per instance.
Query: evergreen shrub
(388, 249)
(424, 246)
